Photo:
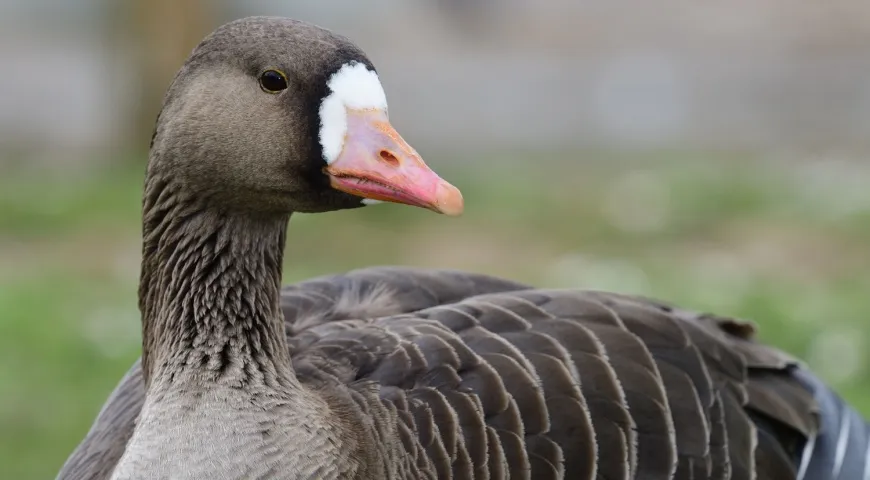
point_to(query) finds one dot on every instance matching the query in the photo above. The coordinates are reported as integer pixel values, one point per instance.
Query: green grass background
(781, 243)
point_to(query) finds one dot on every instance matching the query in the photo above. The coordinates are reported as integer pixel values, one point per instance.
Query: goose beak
(377, 164)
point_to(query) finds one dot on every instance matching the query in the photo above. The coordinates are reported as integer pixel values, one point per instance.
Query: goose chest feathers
(397, 373)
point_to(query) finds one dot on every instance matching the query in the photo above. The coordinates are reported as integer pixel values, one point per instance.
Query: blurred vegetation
(776, 242)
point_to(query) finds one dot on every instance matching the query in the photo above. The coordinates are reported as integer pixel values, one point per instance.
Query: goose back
(484, 378)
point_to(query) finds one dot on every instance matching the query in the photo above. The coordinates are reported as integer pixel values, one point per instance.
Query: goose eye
(273, 81)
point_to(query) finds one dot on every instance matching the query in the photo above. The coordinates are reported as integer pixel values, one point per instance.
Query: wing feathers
(482, 378)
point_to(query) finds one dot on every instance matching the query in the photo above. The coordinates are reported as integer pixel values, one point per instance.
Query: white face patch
(352, 86)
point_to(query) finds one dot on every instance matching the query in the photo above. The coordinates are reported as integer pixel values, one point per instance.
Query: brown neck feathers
(210, 291)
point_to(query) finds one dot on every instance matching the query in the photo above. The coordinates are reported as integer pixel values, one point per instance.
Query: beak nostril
(388, 157)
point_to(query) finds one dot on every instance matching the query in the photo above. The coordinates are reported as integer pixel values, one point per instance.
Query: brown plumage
(488, 376)
(397, 373)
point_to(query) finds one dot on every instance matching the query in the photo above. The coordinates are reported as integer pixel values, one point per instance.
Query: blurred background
(713, 154)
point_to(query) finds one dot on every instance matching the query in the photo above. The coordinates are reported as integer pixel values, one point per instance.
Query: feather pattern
(483, 378)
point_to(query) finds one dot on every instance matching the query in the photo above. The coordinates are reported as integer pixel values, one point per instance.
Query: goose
(401, 373)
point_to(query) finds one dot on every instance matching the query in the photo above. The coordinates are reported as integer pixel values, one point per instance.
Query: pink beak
(376, 163)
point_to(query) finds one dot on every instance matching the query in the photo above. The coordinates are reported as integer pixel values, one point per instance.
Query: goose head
(274, 115)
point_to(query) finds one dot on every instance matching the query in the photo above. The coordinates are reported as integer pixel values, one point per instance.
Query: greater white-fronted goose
(396, 373)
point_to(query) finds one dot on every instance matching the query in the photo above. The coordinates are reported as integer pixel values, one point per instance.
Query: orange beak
(377, 164)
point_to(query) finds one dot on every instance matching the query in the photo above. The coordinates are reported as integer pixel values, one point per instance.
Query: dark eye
(273, 81)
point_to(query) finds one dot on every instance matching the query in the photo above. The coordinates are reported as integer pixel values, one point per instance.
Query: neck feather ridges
(209, 291)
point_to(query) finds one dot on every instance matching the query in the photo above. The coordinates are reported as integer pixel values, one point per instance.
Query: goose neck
(210, 292)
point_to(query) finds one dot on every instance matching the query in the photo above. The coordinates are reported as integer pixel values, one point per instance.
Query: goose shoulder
(575, 384)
